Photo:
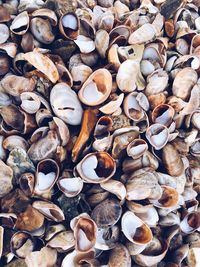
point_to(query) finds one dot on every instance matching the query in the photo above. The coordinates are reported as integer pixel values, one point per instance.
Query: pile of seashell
(99, 133)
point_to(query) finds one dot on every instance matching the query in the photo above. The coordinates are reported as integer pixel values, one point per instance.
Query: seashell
(172, 160)
(30, 5)
(53, 230)
(6, 179)
(148, 257)
(115, 187)
(156, 82)
(190, 223)
(129, 77)
(46, 13)
(147, 213)
(113, 105)
(137, 148)
(195, 119)
(9, 48)
(88, 123)
(84, 232)
(182, 46)
(69, 111)
(26, 183)
(96, 167)
(169, 198)
(97, 88)
(61, 129)
(71, 187)
(157, 135)
(15, 141)
(75, 259)
(113, 57)
(46, 175)
(29, 220)
(85, 44)
(64, 74)
(80, 74)
(119, 256)
(20, 24)
(44, 147)
(133, 52)
(96, 198)
(135, 230)
(146, 67)
(69, 25)
(30, 102)
(102, 42)
(155, 53)
(193, 257)
(49, 210)
(4, 64)
(15, 85)
(42, 30)
(132, 107)
(169, 28)
(4, 32)
(105, 3)
(43, 64)
(21, 244)
(183, 83)
(107, 213)
(62, 241)
(4, 14)
(45, 257)
(163, 114)
(107, 238)
(169, 220)
(143, 185)
(27, 42)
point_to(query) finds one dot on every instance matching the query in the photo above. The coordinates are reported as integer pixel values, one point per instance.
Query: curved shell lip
(163, 114)
(137, 148)
(113, 105)
(4, 31)
(100, 83)
(154, 132)
(67, 186)
(70, 31)
(46, 13)
(106, 164)
(18, 27)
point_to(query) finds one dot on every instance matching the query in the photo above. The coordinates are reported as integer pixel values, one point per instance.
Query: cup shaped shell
(163, 114)
(46, 175)
(169, 198)
(172, 160)
(143, 34)
(135, 229)
(46, 13)
(157, 135)
(96, 167)
(191, 222)
(71, 187)
(69, 25)
(102, 242)
(156, 82)
(113, 105)
(107, 213)
(21, 244)
(132, 107)
(119, 256)
(184, 82)
(65, 104)
(30, 102)
(85, 231)
(97, 88)
(45, 254)
(20, 24)
(137, 148)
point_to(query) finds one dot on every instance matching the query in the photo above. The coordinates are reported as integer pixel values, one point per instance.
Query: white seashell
(71, 187)
(85, 44)
(113, 105)
(4, 33)
(30, 102)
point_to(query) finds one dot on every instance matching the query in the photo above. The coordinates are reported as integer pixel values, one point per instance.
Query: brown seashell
(169, 28)
(27, 42)
(4, 64)
(4, 14)
(69, 25)
(132, 107)
(20, 24)
(46, 13)
(88, 124)
(29, 220)
(26, 183)
(119, 257)
(42, 30)
(84, 231)
(163, 114)
(190, 222)
(172, 160)
(107, 213)
(97, 88)
(96, 167)
(156, 100)
(46, 257)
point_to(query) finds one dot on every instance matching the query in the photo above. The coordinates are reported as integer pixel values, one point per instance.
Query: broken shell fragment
(115, 187)
(21, 244)
(20, 23)
(65, 104)
(119, 257)
(157, 135)
(71, 187)
(132, 107)
(137, 148)
(69, 25)
(4, 33)
(84, 231)
(97, 88)
(190, 222)
(6, 179)
(46, 257)
(96, 167)
(163, 114)
(135, 229)
(113, 105)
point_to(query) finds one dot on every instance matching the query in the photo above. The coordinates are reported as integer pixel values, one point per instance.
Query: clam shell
(190, 222)
(137, 148)
(6, 181)
(4, 33)
(71, 187)
(157, 135)
(69, 25)
(62, 241)
(112, 106)
(119, 256)
(20, 23)
(30, 102)
(47, 255)
(115, 187)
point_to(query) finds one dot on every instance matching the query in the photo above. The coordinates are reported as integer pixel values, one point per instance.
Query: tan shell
(183, 83)
(96, 167)
(21, 244)
(157, 135)
(97, 88)
(156, 82)
(20, 23)
(132, 107)
(62, 241)
(46, 13)
(46, 257)
(30, 102)
(129, 77)
(71, 187)
(65, 104)
(137, 148)
(172, 160)
(113, 105)
(69, 25)
(163, 114)
(115, 187)
(84, 231)
(9, 48)
(80, 74)
(119, 257)
(135, 229)
(43, 64)
(6, 179)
